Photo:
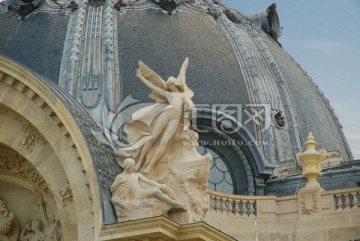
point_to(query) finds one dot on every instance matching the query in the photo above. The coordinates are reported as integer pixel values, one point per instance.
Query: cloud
(328, 47)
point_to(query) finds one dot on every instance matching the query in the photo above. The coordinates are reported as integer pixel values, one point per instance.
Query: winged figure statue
(153, 127)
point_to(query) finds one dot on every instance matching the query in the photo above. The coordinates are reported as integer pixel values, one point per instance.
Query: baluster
(230, 206)
(211, 202)
(216, 203)
(223, 206)
(356, 200)
(237, 209)
(252, 210)
(347, 201)
(243, 208)
(338, 202)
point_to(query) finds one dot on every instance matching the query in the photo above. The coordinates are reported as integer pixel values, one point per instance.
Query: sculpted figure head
(174, 85)
(129, 164)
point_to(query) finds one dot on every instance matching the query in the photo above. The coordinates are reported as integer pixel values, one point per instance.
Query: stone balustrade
(328, 215)
(243, 206)
(346, 200)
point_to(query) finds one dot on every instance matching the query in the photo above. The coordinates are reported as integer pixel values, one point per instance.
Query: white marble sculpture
(135, 195)
(153, 127)
(164, 147)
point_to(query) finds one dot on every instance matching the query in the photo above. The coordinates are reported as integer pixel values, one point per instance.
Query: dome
(255, 103)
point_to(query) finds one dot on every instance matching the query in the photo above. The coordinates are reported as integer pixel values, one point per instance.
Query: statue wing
(182, 78)
(155, 79)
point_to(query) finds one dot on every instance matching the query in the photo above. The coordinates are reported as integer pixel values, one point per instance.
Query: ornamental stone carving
(13, 164)
(164, 148)
(311, 161)
(9, 228)
(44, 228)
(66, 195)
(32, 135)
(133, 199)
(309, 201)
(309, 197)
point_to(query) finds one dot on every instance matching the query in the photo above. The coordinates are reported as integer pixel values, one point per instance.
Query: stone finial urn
(311, 161)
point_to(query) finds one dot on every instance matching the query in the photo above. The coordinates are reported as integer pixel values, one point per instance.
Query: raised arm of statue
(150, 84)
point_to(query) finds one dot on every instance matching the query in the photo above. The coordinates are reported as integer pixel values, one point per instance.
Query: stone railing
(334, 211)
(232, 204)
(346, 200)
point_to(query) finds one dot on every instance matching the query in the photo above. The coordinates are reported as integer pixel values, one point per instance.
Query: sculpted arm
(151, 85)
(149, 181)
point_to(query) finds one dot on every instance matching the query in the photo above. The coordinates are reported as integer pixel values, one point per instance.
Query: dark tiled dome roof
(234, 59)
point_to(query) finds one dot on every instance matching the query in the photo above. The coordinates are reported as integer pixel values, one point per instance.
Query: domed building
(68, 84)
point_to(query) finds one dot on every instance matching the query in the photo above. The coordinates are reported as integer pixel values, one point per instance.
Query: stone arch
(26, 96)
(249, 156)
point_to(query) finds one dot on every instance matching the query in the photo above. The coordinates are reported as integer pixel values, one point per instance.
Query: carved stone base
(188, 180)
(309, 201)
(132, 211)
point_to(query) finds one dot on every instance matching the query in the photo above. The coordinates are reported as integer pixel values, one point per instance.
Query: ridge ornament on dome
(96, 3)
(73, 6)
(280, 119)
(123, 3)
(268, 20)
(23, 7)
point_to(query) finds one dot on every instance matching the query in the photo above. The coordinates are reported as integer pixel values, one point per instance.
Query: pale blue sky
(323, 37)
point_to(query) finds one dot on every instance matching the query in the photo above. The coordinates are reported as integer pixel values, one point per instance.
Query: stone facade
(61, 95)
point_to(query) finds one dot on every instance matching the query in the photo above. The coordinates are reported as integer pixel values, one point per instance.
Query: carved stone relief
(66, 195)
(136, 196)
(309, 201)
(13, 164)
(38, 224)
(9, 227)
(43, 225)
(32, 135)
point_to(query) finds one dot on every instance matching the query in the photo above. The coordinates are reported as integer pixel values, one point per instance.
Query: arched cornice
(25, 94)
